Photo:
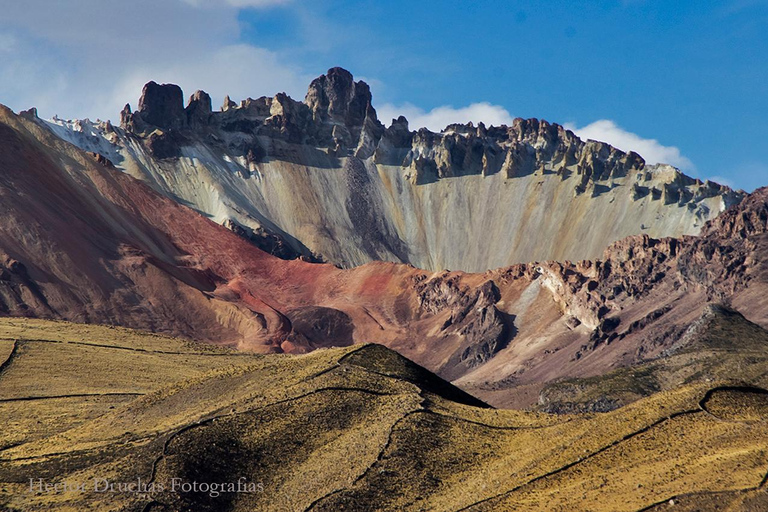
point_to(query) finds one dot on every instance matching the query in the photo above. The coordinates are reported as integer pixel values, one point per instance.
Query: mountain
(324, 179)
(355, 428)
(85, 242)
(642, 369)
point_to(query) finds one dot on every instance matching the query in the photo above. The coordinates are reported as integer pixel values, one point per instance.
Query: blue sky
(683, 82)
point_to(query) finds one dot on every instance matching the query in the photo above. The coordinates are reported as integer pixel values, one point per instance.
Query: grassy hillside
(357, 428)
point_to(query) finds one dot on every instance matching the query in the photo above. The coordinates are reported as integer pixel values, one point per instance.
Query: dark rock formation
(316, 327)
(271, 243)
(161, 117)
(106, 162)
(162, 106)
(164, 145)
(199, 109)
(30, 114)
(126, 118)
(343, 114)
(20, 295)
(486, 334)
(474, 318)
(289, 120)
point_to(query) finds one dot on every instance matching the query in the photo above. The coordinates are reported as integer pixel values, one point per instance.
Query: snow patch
(87, 135)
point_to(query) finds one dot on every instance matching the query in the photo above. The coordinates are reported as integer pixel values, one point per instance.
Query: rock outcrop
(199, 109)
(723, 263)
(161, 106)
(342, 109)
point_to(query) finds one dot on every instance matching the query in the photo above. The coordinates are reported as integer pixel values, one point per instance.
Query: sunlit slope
(358, 428)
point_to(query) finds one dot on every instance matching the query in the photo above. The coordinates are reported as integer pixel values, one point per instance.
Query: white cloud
(651, 150)
(440, 117)
(90, 60)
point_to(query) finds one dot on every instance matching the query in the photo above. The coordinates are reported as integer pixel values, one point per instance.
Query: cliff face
(324, 179)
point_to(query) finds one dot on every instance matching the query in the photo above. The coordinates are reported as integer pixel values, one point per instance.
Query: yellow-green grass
(357, 428)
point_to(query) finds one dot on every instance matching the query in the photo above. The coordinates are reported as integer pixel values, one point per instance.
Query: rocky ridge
(264, 163)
